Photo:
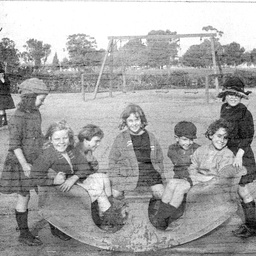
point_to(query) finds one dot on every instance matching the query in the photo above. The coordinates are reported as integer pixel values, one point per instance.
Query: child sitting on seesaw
(70, 167)
(90, 137)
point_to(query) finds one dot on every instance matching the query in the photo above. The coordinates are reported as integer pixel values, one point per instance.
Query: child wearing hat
(6, 101)
(241, 136)
(25, 144)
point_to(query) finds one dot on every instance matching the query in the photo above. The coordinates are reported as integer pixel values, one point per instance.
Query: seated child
(136, 162)
(180, 154)
(209, 159)
(89, 138)
(70, 166)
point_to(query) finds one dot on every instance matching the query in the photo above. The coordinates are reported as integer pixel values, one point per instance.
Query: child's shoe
(28, 239)
(244, 231)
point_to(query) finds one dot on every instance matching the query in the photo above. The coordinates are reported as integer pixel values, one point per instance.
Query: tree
(233, 54)
(55, 62)
(199, 55)
(82, 51)
(36, 52)
(9, 55)
(133, 53)
(161, 51)
(65, 63)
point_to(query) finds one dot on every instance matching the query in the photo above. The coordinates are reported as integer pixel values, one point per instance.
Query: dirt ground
(163, 110)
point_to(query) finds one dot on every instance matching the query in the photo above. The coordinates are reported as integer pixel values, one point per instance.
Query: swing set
(113, 42)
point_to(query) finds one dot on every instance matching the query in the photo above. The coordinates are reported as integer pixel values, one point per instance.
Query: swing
(208, 206)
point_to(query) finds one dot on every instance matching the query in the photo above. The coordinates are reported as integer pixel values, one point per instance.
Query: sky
(53, 21)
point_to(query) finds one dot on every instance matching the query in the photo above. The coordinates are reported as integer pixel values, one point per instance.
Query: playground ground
(163, 110)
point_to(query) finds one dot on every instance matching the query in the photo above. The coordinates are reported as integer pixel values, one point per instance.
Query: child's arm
(194, 169)
(23, 162)
(39, 170)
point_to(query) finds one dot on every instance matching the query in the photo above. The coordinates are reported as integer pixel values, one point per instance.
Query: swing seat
(208, 206)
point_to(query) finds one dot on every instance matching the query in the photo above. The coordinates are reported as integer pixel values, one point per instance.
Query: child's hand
(26, 169)
(68, 184)
(59, 178)
(238, 162)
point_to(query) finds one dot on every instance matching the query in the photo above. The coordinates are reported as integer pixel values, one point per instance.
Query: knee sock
(22, 221)
(4, 119)
(249, 213)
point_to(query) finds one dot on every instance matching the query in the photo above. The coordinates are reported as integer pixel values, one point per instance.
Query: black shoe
(56, 232)
(244, 232)
(29, 239)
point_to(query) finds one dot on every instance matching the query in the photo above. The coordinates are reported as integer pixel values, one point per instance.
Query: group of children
(135, 160)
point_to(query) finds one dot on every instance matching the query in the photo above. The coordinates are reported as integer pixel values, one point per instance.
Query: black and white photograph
(127, 128)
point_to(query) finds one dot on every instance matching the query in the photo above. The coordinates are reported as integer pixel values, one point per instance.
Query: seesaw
(208, 206)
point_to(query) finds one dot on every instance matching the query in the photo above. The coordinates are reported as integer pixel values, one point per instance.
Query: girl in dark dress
(6, 101)
(136, 163)
(25, 143)
(240, 139)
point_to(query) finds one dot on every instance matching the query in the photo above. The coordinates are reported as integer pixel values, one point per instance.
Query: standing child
(71, 167)
(208, 160)
(25, 143)
(6, 101)
(241, 136)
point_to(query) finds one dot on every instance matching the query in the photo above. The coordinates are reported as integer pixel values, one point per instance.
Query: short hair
(89, 131)
(133, 109)
(216, 125)
(59, 126)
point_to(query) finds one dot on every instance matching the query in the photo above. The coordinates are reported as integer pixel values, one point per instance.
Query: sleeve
(194, 167)
(82, 168)
(159, 157)
(39, 171)
(246, 131)
(114, 157)
(227, 159)
(16, 125)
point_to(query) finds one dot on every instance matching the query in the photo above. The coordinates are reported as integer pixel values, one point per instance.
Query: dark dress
(241, 136)
(24, 133)
(6, 101)
(148, 176)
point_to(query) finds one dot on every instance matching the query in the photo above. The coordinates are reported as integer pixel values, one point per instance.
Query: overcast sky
(53, 22)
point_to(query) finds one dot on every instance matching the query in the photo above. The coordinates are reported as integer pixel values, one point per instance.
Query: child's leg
(21, 213)
(182, 187)
(95, 184)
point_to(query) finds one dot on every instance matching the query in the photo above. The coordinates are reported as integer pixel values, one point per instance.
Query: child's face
(40, 100)
(133, 123)
(184, 142)
(219, 139)
(60, 140)
(233, 100)
(92, 144)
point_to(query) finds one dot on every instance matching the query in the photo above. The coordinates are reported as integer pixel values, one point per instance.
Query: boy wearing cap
(173, 198)
(240, 139)
(180, 153)
(25, 145)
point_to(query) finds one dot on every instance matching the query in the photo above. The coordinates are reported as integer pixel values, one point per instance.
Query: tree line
(83, 53)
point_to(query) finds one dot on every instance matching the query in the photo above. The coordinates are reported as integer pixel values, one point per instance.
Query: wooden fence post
(207, 89)
(82, 85)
